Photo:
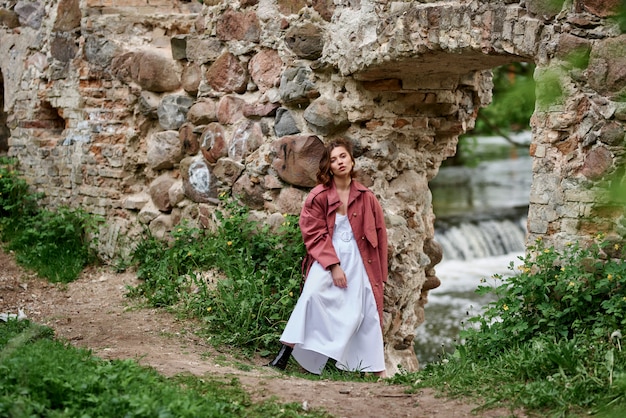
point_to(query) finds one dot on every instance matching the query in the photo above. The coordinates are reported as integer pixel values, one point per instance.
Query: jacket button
(363, 237)
(369, 261)
(354, 214)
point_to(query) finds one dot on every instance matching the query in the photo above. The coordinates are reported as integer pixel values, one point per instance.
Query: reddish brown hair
(324, 175)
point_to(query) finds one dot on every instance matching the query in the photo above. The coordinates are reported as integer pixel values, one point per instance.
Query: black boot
(280, 362)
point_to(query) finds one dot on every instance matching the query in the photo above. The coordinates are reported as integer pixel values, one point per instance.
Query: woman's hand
(339, 276)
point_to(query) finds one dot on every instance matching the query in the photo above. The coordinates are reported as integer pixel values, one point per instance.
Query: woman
(339, 313)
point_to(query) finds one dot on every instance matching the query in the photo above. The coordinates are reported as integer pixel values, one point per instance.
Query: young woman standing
(339, 313)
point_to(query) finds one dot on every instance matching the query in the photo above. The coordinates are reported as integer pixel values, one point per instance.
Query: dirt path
(93, 313)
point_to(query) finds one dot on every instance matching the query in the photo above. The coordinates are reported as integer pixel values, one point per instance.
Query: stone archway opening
(4, 129)
(480, 203)
(431, 100)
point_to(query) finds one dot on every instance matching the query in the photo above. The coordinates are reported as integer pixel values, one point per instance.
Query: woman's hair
(324, 175)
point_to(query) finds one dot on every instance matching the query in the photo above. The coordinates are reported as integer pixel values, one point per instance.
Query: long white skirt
(331, 322)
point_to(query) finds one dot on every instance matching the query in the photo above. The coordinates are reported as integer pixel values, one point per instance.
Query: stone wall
(144, 111)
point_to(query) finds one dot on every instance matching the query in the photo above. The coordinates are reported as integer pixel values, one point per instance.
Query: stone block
(163, 150)
(246, 139)
(265, 69)
(297, 159)
(213, 143)
(135, 201)
(148, 212)
(238, 26)
(227, 74)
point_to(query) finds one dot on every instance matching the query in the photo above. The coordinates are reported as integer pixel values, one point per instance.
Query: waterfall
(480, 239)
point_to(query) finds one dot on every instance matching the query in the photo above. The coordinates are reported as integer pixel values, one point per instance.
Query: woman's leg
(282, 358)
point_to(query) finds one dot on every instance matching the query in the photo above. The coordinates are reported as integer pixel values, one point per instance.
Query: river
(481, 224)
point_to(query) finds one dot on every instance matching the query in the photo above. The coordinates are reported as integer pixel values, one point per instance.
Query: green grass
(57, 244)
(551, 343)
(41, 376)
(260, 276)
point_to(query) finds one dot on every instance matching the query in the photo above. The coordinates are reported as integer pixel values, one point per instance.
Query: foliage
(261, 269)
(551, 342)
(55, 244)
(16, 200)
(576, 292)
(40, 376)
(512, 105)
(513, 100)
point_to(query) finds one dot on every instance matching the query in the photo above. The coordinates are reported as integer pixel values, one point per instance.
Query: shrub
(551, 342)
(249, 306)
(55, 244)
(16, 199)
(577, 292)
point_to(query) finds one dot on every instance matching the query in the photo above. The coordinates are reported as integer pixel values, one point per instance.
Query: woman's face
(341, 163)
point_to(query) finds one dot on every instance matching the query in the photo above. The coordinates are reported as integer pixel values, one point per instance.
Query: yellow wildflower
(562, 268)
(609, 277)
(547, 250)
(229, 243)
(209, 309)
(570, 284)
(505, 307)
(616, 246)
(291, 294)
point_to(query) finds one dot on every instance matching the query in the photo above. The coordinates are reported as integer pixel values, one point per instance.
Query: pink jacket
(317, 221)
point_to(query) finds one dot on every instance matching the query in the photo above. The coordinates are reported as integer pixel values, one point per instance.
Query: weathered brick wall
(145, 111)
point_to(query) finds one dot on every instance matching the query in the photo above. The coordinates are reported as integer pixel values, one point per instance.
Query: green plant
(513, 101)
(56, 244)
(550, 342)
(41, 376)
(251, 306)
(510, 110)
(260, 267)
(549, 88)
(16, 199)
(577, 292)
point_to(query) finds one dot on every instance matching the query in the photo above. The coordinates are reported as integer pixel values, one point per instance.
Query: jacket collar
(356, 189)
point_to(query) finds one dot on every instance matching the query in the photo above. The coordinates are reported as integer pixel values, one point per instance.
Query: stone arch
(429, 114)
(444, 51)
(433, 62)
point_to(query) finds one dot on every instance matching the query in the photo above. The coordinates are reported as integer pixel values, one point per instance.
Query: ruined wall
(144, 111)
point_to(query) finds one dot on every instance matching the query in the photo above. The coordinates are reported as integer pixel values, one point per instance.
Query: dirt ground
(93, 313)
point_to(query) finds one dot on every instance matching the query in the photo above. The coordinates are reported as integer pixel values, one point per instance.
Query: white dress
(331, 322)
